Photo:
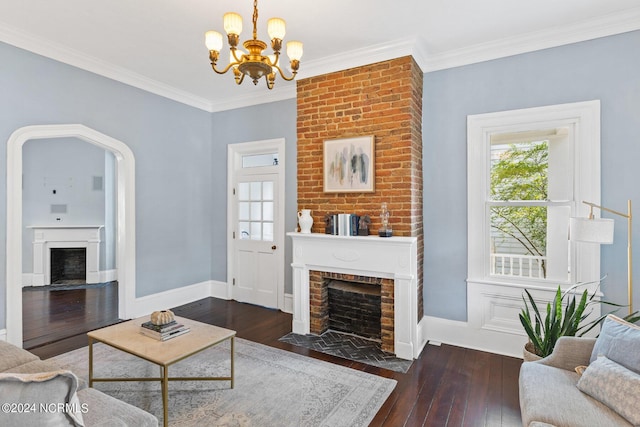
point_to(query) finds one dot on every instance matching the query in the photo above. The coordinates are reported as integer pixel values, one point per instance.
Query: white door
(256, 225)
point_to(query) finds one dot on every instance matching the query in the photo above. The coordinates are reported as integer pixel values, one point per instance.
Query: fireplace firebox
(68, 264)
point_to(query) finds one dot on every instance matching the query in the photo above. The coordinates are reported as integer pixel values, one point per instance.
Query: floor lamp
(600, 230)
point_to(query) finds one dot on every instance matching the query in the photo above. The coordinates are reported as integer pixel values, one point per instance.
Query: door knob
(274, 247)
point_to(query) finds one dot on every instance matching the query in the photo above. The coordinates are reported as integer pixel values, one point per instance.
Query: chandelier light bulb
(232, 23)
(276, 28)
(213, 40)
(294, 50)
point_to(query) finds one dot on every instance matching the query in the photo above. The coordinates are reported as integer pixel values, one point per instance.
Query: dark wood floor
(446, 386)
(51, 318)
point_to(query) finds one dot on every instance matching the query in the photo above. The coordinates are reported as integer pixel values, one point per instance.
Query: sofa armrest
(570, 352)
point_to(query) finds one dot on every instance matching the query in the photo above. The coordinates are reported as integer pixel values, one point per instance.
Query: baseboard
(108, 276)
(219, 290)
(422, 340)
(103, 277)
(27, 279)
(462, 335)
(288, 304)
(175, 297)
(3, 334)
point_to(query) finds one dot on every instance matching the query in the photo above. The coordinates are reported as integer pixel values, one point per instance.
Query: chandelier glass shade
(252, 62)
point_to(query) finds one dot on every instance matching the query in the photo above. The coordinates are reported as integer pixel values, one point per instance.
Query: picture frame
(349, 165)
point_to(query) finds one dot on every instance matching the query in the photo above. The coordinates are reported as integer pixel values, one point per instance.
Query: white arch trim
(125, 216)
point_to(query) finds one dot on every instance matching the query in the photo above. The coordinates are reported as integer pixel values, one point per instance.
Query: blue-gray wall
(604, 69)
(172, 145)
(181, 154)
(257, 123)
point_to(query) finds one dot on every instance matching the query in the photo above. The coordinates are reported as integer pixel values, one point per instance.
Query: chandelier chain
(255, 19)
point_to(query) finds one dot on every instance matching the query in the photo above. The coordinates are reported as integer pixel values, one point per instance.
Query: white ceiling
(158, 45)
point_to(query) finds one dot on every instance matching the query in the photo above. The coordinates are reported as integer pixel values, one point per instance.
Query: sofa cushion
(618, 341)
(549, 395)
(42, 399)
(14, 356)
(615, 386)
(105, 411)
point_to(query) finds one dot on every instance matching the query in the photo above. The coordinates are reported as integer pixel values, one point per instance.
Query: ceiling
(158, 45)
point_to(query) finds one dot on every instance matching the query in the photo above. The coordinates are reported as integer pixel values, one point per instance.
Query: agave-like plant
(544, 333)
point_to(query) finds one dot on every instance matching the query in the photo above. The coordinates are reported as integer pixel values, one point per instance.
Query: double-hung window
(528, 171)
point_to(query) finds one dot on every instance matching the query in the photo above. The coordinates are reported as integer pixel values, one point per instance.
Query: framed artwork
(348, 165)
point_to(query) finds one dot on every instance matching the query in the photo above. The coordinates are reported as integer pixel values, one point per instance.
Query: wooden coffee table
(126, 336)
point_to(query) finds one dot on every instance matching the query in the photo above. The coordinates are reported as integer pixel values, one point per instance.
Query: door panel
(256, 267)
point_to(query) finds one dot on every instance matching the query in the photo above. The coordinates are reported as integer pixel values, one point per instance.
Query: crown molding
(607, 25)
(359, 57)
(77, 59)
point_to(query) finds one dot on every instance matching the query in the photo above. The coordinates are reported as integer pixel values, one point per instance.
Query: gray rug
(273, 387)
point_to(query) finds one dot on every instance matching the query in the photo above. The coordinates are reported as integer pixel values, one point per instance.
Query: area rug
(272, 387)
(349, 347)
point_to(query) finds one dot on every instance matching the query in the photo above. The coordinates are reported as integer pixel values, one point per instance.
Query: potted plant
(544, 332)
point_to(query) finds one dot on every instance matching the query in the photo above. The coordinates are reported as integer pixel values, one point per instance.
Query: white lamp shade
(213, 40)
(232, 23)
(591, 230)
(276, 28)
(294, 50)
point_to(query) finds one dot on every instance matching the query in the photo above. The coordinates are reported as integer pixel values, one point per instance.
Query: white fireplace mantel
(386, 257)
(46, 237)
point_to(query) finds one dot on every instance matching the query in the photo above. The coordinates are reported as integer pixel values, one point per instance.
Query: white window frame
(584, 120)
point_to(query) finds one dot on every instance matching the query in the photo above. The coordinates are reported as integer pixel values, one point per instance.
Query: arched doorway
(125, 216)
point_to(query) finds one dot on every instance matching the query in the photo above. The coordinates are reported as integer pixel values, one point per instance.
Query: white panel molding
(453, 332)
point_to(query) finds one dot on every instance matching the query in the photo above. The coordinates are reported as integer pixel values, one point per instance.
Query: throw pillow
(615, 386)
(620, 342)
(42, 399)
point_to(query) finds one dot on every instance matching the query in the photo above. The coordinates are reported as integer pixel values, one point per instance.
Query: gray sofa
(36, 392)
(607, 391)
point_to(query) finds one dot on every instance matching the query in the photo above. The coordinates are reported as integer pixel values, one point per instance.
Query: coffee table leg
(90, 362)
(165, 394)
(232, 353)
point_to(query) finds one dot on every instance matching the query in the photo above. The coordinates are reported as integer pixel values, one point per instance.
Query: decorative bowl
(161, 317)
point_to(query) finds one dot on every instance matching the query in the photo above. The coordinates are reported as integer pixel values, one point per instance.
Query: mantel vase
(305, 221)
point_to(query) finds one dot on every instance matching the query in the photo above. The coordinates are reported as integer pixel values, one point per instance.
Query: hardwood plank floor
(446, 386)
(51, 316)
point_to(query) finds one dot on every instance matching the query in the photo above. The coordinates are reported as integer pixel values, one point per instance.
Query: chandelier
(253, 63)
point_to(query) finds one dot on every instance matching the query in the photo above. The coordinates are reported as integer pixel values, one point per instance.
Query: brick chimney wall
(383, 100)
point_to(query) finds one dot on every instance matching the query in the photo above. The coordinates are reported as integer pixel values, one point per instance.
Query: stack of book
(163, 332)
(342, 224)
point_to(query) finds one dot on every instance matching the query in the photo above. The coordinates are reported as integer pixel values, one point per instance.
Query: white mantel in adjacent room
(46, 237)
(393, 258)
